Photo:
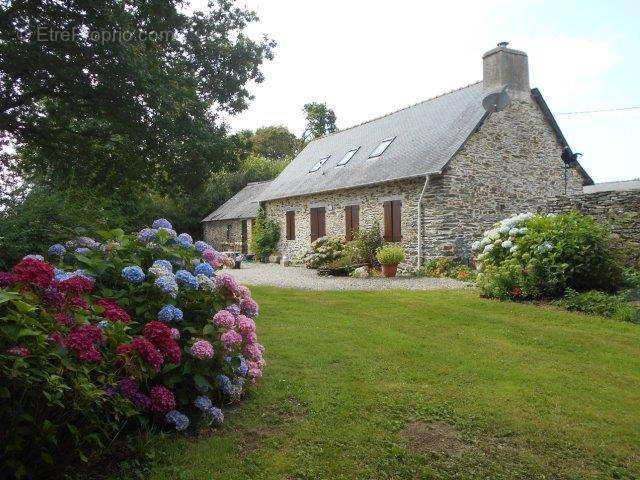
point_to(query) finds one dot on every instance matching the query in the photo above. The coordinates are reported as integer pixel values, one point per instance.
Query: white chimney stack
(504, 66)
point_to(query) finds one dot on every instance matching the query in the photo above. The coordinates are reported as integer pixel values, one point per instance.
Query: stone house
(435, 175)
(228, 229)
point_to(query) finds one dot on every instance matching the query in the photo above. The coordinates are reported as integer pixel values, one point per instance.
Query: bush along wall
(534, 256)
(113, 335)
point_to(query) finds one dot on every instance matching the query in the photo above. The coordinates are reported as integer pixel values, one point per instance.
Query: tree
(264, 236)
(115, 95)
(320, 121)
(275, 142)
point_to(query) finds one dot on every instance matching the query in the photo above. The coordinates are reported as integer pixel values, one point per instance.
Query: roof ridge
(398, 110)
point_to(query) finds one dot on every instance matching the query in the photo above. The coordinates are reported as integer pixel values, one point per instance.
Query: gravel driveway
(300, 277)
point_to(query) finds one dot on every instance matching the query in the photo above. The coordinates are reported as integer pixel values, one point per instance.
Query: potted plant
(389, 257)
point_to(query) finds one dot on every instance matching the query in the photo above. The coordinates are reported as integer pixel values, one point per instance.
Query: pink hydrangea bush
(132, 326)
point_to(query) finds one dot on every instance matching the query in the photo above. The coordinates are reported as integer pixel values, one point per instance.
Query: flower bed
(132, 330)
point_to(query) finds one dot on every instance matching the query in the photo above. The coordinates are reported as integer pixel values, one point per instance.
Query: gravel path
(300, 277)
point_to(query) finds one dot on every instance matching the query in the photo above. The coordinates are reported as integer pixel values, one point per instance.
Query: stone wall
(509, 166)
(370, 200)
(620, 209)
(215, 234)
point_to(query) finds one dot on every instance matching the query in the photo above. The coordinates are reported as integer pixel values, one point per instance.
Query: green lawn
(533, 392)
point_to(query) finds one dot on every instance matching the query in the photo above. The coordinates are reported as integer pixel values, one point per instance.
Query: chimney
(504, 66)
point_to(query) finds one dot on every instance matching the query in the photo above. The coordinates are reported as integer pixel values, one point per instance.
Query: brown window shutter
(290, 227)
(388, 228)
(355, 219)
(293, 225)
(395, 214)
(321, 224)
(348, 234)
(314, 224)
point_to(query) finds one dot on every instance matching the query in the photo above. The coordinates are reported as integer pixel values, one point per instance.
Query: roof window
(382, 146)
(318, 164)
(347, 157)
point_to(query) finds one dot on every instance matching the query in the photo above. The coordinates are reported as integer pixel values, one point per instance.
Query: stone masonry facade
(215, 234)
(509, 165)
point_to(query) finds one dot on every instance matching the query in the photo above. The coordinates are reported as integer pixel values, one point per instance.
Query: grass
(532, 392)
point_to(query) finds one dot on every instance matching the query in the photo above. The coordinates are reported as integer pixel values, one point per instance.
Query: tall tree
(114, 94)
(320, 120)
(275, 142)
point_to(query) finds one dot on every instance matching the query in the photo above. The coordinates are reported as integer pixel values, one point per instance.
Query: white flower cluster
(494, 238)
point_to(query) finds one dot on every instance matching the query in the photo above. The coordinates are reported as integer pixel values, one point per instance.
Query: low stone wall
(621, 209)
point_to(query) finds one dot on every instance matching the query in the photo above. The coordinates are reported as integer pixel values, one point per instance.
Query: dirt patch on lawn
(252, 439)
(435, 437)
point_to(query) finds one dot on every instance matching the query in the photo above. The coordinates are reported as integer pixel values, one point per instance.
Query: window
(317, 223)
(351, 221)
(318, 164)
(291, 225)
(382, 146)
(347, 157)
(392, 220)
(228, 231)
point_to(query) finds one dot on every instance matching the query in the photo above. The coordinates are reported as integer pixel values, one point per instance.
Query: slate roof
(612, 186)
(426, 134)
(242, 205)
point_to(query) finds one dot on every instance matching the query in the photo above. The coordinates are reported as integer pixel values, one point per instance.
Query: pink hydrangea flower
(162, 399)
(175, 333)
(224, 319)
(212, 258)
(242, 292)
(230, 339)
(202, 349)
(18, 351)
(252, 352)
(245, 325)
(249, 306)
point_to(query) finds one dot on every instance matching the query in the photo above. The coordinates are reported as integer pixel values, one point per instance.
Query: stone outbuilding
(228, 229)
(435, 175)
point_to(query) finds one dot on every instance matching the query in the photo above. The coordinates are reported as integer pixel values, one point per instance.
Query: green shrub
(447, 267)
(594, 302)
(390, 255)
(367, 242)
(324, 250)
(264, 236)
(534, 256)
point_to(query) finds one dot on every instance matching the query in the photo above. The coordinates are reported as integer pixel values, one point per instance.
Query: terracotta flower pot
(389, 270)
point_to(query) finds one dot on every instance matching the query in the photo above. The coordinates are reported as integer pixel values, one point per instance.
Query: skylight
(318, 164)
(347, 157)
(382, 146)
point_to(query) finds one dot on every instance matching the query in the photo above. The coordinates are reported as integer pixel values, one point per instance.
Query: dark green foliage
(594, 302)
(121, 113)
(265, 236)
(275, 142)
(320, 120)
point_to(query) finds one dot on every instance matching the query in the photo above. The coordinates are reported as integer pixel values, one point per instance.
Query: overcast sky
(368, 58)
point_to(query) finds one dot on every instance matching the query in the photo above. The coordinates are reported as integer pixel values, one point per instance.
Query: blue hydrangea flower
(216, 416)
(102, 324)
(179, 421)
(82, 250)
(167, 284)
(202, 246)
(147, 234)
(133, 274)
(166, 264)
(223, 382)
(169, 313)
(185, 239)
(234, 309)
(56, 250)
(202, 403)
(187, 279)
(204, 269)
(161, 223)
(242, 370)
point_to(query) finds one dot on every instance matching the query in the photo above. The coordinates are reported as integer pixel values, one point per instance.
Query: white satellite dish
(496, 101)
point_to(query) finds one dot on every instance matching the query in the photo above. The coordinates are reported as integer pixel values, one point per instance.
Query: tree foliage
(131, 98)
(275, 142)
(320, 120)
(265, 235)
